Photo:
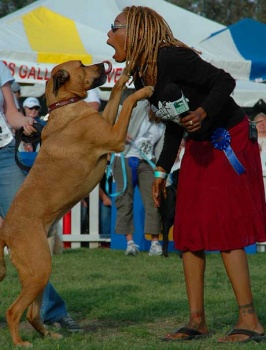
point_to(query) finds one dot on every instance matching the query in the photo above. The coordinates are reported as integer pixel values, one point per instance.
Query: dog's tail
(2, 260)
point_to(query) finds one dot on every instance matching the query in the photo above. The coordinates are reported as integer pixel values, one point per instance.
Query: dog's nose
(109, 67)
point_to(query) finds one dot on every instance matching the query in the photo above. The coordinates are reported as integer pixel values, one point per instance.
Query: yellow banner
(54, 37)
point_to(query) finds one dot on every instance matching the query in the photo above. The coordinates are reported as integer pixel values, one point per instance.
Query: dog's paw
(24, 344)
(150, 90)
(145, 92)
(123, 79)
(54, 335)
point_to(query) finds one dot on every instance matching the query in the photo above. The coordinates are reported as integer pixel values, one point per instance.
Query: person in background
(105, 205)
(143, 137)
(93, 99)
(220, 202)
(260, 120)
(15, 87)
(11, 177)
(31, 108)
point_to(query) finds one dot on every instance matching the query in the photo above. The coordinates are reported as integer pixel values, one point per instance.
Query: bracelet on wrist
(160, 174)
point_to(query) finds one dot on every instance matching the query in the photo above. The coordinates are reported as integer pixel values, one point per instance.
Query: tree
(222, 11)
(225, 11)
(9, 6)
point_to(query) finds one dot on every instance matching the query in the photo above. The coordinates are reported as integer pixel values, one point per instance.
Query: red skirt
(216, 208)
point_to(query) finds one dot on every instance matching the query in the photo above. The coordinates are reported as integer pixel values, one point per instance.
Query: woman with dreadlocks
(220, 200)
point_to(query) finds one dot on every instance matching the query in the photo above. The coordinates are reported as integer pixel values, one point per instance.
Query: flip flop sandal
(191, 334)
(252, 336)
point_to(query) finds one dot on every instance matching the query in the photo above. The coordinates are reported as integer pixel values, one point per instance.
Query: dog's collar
(63, 103)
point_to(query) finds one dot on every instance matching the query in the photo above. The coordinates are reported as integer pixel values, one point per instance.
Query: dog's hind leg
(31, 289)
(33, 316)
(34, 266)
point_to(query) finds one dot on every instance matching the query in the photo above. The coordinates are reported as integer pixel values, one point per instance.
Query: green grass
(130, 302)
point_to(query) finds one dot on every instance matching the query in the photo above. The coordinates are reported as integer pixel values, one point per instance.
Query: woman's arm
(172, 138)
(203, 84)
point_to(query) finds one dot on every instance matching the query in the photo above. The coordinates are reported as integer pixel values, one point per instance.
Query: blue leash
(133, 162)
(109, 172)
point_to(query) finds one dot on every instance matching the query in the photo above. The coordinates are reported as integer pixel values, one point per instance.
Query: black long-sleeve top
(204, 86)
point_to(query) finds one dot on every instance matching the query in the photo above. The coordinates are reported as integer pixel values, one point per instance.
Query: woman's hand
(158, 188)
(192, 122)
(28, 126)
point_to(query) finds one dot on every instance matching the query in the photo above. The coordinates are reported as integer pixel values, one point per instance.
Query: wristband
(160, 174)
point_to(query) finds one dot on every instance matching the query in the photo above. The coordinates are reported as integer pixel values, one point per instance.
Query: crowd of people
(220, 202)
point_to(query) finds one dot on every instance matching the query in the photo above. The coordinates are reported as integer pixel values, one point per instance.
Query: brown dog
(71, 162)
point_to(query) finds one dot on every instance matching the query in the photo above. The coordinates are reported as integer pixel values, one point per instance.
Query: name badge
(5, 133)
(145, 147)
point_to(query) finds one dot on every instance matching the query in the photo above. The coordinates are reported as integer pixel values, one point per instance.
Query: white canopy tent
(247, 93)
(48, 32)
(240, 50)
(39, 36)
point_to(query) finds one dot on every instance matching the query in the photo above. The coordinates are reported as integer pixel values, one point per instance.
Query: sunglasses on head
(114, 27)
(34, 107)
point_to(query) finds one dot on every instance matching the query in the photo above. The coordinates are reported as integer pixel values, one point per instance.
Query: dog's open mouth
(109, 67)
(105, 68)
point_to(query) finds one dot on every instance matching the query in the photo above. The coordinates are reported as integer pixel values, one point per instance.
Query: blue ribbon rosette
(221, 141)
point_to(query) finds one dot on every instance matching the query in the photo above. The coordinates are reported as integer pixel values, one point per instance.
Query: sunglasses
(34, 107)
(114, 27)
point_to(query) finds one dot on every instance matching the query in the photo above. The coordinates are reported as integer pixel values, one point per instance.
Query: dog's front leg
(110, 111)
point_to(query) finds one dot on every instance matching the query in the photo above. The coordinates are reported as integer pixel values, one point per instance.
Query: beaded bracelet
(160, 174)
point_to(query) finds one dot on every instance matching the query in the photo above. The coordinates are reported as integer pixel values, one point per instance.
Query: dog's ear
(59, 78)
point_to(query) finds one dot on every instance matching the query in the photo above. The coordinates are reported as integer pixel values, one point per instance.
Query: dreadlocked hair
(147, 31)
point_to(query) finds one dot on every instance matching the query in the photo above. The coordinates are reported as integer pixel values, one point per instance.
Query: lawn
(131, 302)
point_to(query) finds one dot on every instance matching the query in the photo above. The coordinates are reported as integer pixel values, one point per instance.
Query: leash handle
(108, 174)
(28, 139)
(18, 139)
